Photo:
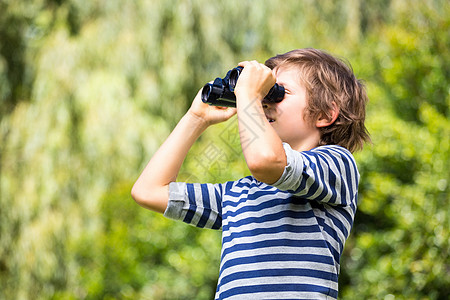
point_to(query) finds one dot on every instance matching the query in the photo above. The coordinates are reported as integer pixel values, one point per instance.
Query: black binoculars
(221, 91)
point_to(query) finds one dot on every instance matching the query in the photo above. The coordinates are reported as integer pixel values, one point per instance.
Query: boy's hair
(328, 79)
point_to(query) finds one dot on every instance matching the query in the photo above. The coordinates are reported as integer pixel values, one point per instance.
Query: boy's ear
(326, 120)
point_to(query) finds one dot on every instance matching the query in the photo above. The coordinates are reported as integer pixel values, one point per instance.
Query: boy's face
(288, 116)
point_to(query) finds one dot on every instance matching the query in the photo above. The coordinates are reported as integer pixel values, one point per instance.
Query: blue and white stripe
(282, 241)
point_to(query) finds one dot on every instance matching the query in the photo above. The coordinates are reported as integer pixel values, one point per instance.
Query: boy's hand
(264, 155)
(209, 114)
(255, 81)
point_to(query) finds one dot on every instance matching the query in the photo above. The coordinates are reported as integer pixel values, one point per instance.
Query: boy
(284, 227)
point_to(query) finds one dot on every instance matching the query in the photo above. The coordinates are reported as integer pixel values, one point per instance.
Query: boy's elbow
(137, 194)
(140, 195)
(267, 168)
(151, 198)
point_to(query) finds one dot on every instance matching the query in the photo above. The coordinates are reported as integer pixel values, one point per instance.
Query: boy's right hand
(209, 114)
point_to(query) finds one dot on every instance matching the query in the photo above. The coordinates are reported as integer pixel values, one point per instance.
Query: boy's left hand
(209, 114)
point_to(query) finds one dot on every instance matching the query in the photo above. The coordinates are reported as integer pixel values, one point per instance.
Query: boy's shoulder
(335, 156)
(324, 150)
(335, 148)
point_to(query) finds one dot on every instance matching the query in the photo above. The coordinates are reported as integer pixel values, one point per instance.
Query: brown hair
(328, 79)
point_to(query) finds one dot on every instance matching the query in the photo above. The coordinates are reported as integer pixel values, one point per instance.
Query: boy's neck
(307, 143)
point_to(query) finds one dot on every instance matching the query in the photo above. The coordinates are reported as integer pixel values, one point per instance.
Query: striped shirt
(280, 241)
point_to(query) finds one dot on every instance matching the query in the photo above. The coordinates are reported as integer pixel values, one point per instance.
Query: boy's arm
(263, 149)
(151, 190)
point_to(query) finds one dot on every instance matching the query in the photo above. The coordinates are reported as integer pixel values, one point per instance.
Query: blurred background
(90, 89)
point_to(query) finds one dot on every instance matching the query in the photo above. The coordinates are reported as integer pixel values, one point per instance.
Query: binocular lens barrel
(221, 91)
(206, 91)
(234, 75)
(212, 97)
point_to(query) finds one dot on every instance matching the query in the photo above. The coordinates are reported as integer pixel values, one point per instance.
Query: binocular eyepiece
(221, 91)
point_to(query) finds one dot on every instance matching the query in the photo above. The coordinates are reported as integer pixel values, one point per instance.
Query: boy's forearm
(151, 188)
(263, 149)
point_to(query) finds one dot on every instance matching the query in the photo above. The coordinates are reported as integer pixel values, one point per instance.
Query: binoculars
(221, 91)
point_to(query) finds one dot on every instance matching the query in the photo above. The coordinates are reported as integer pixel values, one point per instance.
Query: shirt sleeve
(326, 174)
(196, 204)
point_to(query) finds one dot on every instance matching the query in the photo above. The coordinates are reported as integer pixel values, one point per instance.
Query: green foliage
(88, 91)
(400, 243)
